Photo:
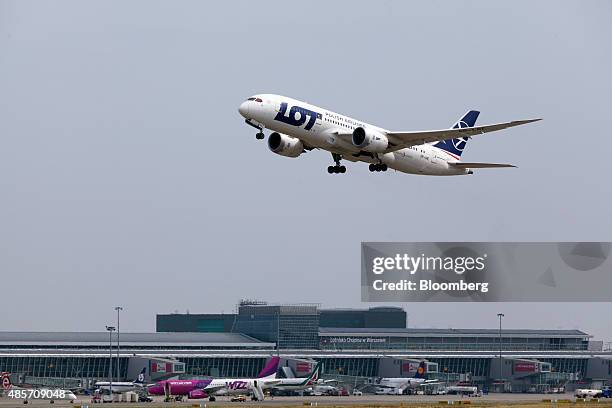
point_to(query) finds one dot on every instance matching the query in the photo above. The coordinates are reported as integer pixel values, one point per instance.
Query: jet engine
(285, 145)
(197, 394)
(370, 140)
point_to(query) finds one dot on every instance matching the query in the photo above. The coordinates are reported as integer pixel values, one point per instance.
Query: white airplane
(300, 384)
(298, 127)
(400, 384)
(119, 387)
(210, 388)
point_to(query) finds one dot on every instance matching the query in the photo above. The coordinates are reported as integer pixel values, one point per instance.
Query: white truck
(387, 391)
(588, 392)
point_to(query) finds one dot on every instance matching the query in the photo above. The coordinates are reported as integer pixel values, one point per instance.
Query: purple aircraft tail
(270, 369)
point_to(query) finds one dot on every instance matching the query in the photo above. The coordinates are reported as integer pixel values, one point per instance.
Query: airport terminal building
(356, 345)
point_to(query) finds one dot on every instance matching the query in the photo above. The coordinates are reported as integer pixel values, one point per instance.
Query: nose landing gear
(338, 168)
(260, 135)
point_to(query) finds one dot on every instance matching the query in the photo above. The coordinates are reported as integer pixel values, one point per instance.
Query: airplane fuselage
(236, 386)
(318, 128)
(293, 384)
(117, 387)
(220, 386)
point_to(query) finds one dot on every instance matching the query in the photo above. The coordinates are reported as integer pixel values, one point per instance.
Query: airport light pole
(110, 330)
(500, 315)
(278, 332)
(118, 309)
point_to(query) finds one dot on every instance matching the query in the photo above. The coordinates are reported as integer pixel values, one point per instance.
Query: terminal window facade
(223, 367)
(575, 366)
(62, 367)
(341, 342)
(360, 367)
(477, 367)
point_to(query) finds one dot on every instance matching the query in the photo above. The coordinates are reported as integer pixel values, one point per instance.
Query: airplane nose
(244, 109)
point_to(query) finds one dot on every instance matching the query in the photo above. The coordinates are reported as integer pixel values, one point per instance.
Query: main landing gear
(337, 169)
(378, 167)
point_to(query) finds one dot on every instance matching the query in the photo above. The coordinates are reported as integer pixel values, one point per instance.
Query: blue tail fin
(141, 377)
(420, 372)
(456, 146)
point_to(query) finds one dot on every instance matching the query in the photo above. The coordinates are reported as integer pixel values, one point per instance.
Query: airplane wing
(322, 381)
(400, 140)
(466, 165)
(212, 390)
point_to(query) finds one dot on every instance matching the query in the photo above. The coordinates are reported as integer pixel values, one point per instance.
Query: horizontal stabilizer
(464, 165)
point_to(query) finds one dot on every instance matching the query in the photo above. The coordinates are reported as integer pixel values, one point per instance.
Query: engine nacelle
(197, 394)
(285, 145)
(369, 140)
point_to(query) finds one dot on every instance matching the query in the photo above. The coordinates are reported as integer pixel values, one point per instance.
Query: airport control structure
(357, 346)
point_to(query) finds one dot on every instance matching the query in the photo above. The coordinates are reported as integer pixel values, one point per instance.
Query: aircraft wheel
(330, 169)
(342, 169)
(259, 136)
(372, 167)
(212, 399)
(384, 167)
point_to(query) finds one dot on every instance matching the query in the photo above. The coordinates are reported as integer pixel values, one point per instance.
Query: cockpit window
(251, 99)
(258, 100)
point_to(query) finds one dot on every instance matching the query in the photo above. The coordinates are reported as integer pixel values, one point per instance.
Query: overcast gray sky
(128, 177)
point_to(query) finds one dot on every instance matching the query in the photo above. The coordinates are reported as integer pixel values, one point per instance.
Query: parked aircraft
(123, 386)
(209, 388)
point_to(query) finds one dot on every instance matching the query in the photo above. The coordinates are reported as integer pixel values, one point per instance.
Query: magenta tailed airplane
(197, 389)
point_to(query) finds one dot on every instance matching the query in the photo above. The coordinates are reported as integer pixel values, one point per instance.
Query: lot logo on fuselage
(297, 116)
